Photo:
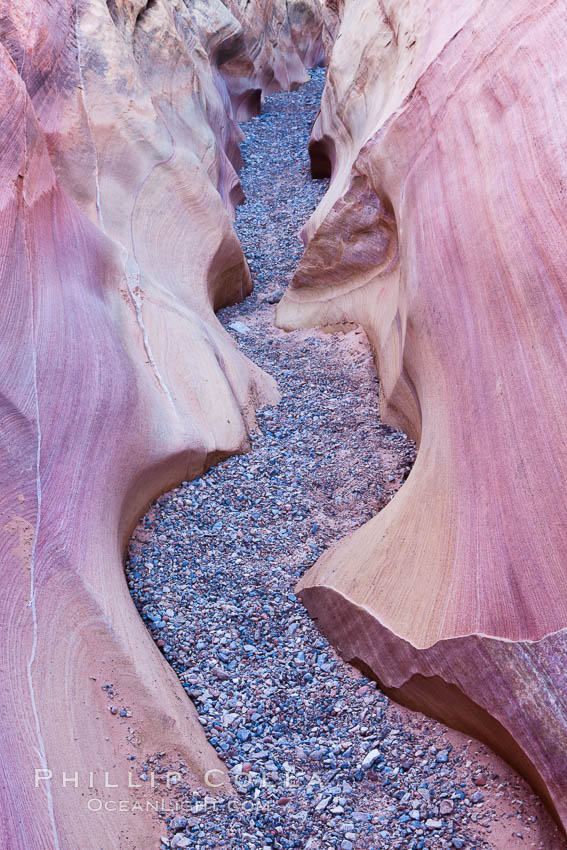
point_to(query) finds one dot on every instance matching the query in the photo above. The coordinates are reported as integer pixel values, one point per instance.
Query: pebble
(240, 328)
(180, 841)
(276, 297)
(370, 759)
(221, 674)
(322, 804)
(179, 822)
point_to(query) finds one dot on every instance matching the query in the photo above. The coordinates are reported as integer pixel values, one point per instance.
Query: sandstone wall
(444, 233)
(282, 40)
(118, 150)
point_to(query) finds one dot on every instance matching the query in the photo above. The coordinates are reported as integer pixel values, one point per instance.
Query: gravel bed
(319, 756)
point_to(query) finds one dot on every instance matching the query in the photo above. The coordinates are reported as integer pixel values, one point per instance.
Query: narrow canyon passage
(319, 756)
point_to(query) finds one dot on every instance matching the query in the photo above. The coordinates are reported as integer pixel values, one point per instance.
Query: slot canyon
(283, 388)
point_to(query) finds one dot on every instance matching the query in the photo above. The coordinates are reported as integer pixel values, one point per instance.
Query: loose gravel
(319, 756)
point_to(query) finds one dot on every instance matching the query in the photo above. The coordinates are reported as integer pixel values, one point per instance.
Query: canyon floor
(319, 756)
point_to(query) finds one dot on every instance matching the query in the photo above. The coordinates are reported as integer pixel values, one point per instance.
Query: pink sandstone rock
(117, 183)
(283, 38)
(444, 233)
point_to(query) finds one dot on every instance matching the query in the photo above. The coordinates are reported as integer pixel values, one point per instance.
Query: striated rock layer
(118, 150)
(282, 38)
(444, 232)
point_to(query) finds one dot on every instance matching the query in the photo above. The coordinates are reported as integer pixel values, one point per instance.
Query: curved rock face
(283, 38)
(118, 150)
(444, 233)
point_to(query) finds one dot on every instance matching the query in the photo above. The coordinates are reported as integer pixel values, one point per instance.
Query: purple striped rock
(444, 233)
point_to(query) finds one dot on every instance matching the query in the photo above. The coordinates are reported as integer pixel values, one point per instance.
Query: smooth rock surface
(118, 150)
(283, 38)
(444, 234)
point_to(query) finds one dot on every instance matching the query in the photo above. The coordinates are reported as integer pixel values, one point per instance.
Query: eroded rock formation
(118, 150)
(282, 40)
(444, 233)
